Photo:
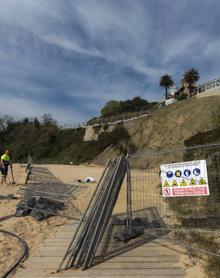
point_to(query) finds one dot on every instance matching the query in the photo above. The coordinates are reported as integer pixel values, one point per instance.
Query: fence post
(28, 168)
(129, 199)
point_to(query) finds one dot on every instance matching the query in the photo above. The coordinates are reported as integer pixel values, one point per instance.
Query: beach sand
(32, 231)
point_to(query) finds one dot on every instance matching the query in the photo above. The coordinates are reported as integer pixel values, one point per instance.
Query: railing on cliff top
(117, 119)
(208, 85)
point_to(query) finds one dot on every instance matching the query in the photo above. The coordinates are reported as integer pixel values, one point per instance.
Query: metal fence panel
(150, 209)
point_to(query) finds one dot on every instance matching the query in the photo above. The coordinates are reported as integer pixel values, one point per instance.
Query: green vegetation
(111, 108)
(181, 97)
(120, 110)
(48, 143)
(166, 82)
(136, 104)
(213, 266)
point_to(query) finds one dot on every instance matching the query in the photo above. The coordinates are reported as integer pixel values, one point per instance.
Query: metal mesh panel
(155, 211)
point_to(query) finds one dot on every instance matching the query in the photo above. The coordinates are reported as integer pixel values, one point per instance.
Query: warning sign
(183, 183)
(174, 183)
(184, 179)
(166, 184)
(166, 192)
(192, 182)
(202, 182)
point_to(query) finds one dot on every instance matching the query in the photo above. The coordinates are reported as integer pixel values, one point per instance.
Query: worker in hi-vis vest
(4, 164)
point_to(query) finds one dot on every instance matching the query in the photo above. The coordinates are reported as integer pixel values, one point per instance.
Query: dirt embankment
(171, 126)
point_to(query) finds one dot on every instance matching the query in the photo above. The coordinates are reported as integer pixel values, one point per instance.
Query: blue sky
(69, 57)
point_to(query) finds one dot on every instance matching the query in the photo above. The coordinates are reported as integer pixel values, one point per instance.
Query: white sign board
(184, 179)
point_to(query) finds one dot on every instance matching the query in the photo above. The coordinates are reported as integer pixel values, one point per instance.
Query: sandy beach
(32, 231)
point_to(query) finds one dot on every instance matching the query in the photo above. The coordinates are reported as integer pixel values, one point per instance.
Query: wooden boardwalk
(147, 260)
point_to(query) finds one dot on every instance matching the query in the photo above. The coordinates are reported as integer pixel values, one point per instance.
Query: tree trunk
(166, 93)
(190, 90)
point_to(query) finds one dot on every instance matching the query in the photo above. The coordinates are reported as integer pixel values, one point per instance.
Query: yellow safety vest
(5, 157)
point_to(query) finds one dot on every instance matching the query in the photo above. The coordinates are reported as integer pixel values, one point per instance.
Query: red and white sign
(184, 179)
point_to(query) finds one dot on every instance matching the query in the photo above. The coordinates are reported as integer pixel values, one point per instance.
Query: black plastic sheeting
(127, 235)
(8, 197)
(39, 208)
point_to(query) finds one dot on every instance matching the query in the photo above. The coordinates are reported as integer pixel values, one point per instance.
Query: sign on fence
(184, 179)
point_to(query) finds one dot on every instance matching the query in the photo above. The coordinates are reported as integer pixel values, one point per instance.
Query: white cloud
(180, 45)
(115, 33)
(99, 49)
(212, 48)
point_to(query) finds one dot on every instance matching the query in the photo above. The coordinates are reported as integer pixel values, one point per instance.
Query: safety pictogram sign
(178, 173)
(166, 192)
(187, 173)
(192, 182)
(169, 174)
(202, 182)
(166, 184)
(174, 183)
(183, 183)
(196, 171)
(188, 178)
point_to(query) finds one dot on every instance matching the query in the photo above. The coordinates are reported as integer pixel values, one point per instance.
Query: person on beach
(4, 164)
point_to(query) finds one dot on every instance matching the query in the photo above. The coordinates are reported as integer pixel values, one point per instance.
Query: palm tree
(191, 76)
(166, 82)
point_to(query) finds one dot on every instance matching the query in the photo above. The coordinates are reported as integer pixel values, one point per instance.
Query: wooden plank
(51, 266)
(158, 258)
(58, 238)
(59, 253)
(55, 248)
(59, 275)
(114, 272)
(114, 245)
(136, 265)
(115, 259)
